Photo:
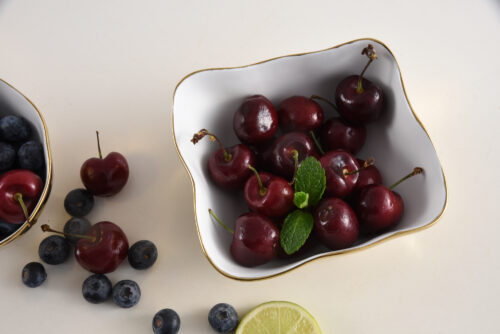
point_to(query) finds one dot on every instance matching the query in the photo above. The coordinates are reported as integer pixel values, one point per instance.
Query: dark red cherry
(336, 133)
(335, 223)
(228, 167)
(360, 100)
(300, 113)
(268, 194)
(378, 207)
(256, 120)
(340, 170)
(368, 175)
(284, 150)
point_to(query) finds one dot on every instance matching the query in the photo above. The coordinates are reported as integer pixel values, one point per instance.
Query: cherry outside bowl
(13, 102)
(398, 141)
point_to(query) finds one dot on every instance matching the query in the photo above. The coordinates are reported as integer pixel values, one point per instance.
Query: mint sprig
(301, 199)
(295, 231)
(311, 179)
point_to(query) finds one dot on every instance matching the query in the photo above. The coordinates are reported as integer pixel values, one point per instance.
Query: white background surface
(113, 66)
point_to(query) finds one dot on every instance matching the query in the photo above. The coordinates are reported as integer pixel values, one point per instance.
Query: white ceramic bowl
(14, 102)
(398, 141)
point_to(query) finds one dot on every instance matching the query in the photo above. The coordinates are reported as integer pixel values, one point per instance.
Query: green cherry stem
(98, 145)
(417, 170)
(230, 230)
(295, 155)
(19, 198)
(369, 51)
(262, 189)
(330, 103)
(46, 228)
(368, 162)
(204, 132)
(316, 142)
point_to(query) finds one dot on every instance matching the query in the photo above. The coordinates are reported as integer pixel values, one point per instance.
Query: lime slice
(278, 318)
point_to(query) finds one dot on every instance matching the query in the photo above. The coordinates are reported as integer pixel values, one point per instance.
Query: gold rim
(397, 234)
(48, 182)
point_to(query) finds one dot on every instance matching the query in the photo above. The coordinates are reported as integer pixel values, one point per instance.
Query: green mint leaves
(310, 184)
(295, 231)
(310, 179)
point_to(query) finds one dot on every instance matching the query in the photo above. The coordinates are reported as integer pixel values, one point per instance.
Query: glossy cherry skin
(21, 181)
(335, 223)
(369, 175)
(378, 208)
(256, 120)
(231, 174)
(255, 240)
(334, 163)
(281, 158)
(357, 107)
(106, 253)
(299, 113)
(277, 200)
(105, 177)
(336, 133)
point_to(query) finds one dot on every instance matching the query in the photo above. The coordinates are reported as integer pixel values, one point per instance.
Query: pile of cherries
(276, 141)
(22, 166)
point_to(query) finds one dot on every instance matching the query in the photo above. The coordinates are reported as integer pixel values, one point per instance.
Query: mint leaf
(301, 199)
(295, 231)
(311, 179)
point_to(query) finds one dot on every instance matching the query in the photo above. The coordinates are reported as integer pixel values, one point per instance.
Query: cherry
(358, 99)
(368, 175)
(336, 133)
(268, 194)
(378, 207)
(228, 167)
(255, 239)
(101, 249)
(299, 113)
(341, 170)
(335, 223)
(105, 177)
(288, 151)
(256, 120)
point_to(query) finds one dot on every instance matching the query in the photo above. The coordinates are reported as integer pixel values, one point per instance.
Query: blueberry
(126, 293)
(223, 318)
(14, 128)
(7, 156)
(96, 288)
(76, 226)
(79, 202)
(33, 274)
(7, 229)
(54, 250)
(166, 321)
(142, 254)
(30, 155)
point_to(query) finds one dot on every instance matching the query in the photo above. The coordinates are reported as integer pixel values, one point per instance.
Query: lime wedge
(278, 318)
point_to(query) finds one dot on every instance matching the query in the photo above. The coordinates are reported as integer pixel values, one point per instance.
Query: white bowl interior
(398, 142)
(12, 102)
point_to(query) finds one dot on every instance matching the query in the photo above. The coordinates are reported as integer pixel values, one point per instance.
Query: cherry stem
(316, 142)
(330, 103)
(262, 189)
(98, 145)
(204, 132)
(369, 51)
(230, 230)
(368, 162)
(295, 155)
(417, 170)
(19, 198)
(46, 228)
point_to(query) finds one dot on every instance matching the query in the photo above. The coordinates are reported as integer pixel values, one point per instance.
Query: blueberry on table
(76, 225)
(79, 202)
(223, 318)
(142, 254)
(7, 156)
(14, 128)
(33, 274)
(30, 156)
(126, 293)
(166, 321)
(96, 288)
(54, 249)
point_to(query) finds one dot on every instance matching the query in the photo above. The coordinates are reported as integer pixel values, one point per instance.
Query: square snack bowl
(398, 142)
(14, 102)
